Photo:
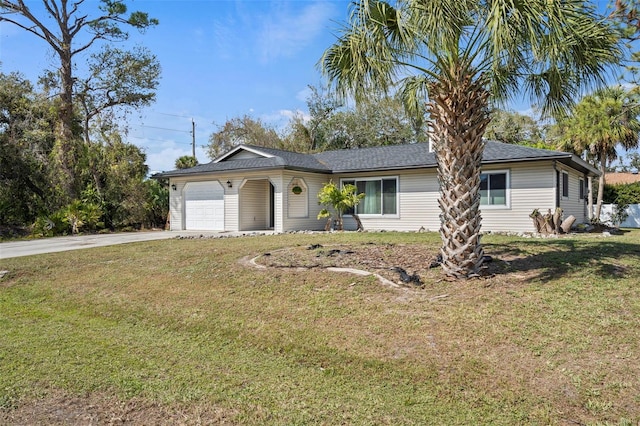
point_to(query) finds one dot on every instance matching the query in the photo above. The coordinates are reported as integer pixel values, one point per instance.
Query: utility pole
(193, 138)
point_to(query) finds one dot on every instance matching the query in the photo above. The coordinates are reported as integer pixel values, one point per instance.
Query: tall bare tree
(69, 30)
(460, 55)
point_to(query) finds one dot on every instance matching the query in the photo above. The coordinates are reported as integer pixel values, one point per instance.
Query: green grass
(552, 338)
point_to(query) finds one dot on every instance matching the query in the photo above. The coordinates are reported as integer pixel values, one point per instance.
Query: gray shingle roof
(380, 158)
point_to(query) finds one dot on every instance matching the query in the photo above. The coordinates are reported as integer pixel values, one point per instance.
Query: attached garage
(204, 206)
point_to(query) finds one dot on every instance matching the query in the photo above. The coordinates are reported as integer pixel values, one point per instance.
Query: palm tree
(458, 56)
(186, 162)
(598, 125)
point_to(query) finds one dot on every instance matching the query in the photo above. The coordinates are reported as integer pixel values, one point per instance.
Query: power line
(192, 132)
(164, 128)
(159, 140)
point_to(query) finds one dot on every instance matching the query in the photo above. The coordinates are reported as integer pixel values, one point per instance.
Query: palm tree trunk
(458, 110)
(603, 168)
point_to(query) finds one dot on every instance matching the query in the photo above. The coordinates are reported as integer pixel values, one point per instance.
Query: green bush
(69, 220)
(622, 193)
(51, 225)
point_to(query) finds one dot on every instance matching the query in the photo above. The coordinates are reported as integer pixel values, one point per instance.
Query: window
(582, 189)
(494, 188)
(381, 196)
(565, 185)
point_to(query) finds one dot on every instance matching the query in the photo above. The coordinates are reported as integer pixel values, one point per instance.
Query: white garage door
(204, 206)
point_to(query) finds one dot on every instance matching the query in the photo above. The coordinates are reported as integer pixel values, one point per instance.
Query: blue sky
(220, 59)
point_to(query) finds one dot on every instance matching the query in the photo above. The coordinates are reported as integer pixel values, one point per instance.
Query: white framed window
(582, 190)
(565, 185)
(381, 196)
(495, 189)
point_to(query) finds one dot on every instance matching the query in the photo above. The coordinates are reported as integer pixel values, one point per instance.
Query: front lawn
(184, 331)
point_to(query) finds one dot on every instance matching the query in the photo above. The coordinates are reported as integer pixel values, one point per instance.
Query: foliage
(111, 174)
(321, 107)
(76, 216)
(621, 196)
(622, 193)
(156, 203)
(26, 139)
(80, 215)
(378, 120)
(514, 128)
(337, 199)
(634, 161)
(117, 79)
(375, 121)
(598, 125)
(625, 15)
(70, 30)
(242, 130)
(458, 57)
(118, 171)
(186, 162)
(51, 225)
(619, 213)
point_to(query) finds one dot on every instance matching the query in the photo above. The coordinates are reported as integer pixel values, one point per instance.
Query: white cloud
(281, 118)
(303, 94)
(283, 33)
(165, 159)
(289, 114)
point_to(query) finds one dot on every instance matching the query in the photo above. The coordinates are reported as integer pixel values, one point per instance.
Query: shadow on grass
(546, 259)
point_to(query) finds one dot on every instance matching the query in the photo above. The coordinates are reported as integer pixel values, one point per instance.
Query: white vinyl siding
(532, 187)
(572, 204)
(417, 203)
(242, 155)
(175, 205)
(297, 199)
(314, 183)
(254, 205)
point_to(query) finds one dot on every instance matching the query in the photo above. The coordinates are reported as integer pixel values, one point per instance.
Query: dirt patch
(410, 265)
(58, 408)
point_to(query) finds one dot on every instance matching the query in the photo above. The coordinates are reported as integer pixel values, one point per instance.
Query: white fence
(633, 221)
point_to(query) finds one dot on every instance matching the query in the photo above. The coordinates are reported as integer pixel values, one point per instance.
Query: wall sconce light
(229, 184)
(173, 186)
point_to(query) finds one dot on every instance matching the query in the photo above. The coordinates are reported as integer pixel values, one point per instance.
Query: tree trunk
(358, 222)
(603, 168)
(67, 149)
(567, 224)
(556, 220)
(458, 110)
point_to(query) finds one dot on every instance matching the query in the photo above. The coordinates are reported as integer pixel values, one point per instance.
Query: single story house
(255, 188)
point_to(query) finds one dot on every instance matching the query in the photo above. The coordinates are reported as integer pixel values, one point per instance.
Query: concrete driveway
(76, 242)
